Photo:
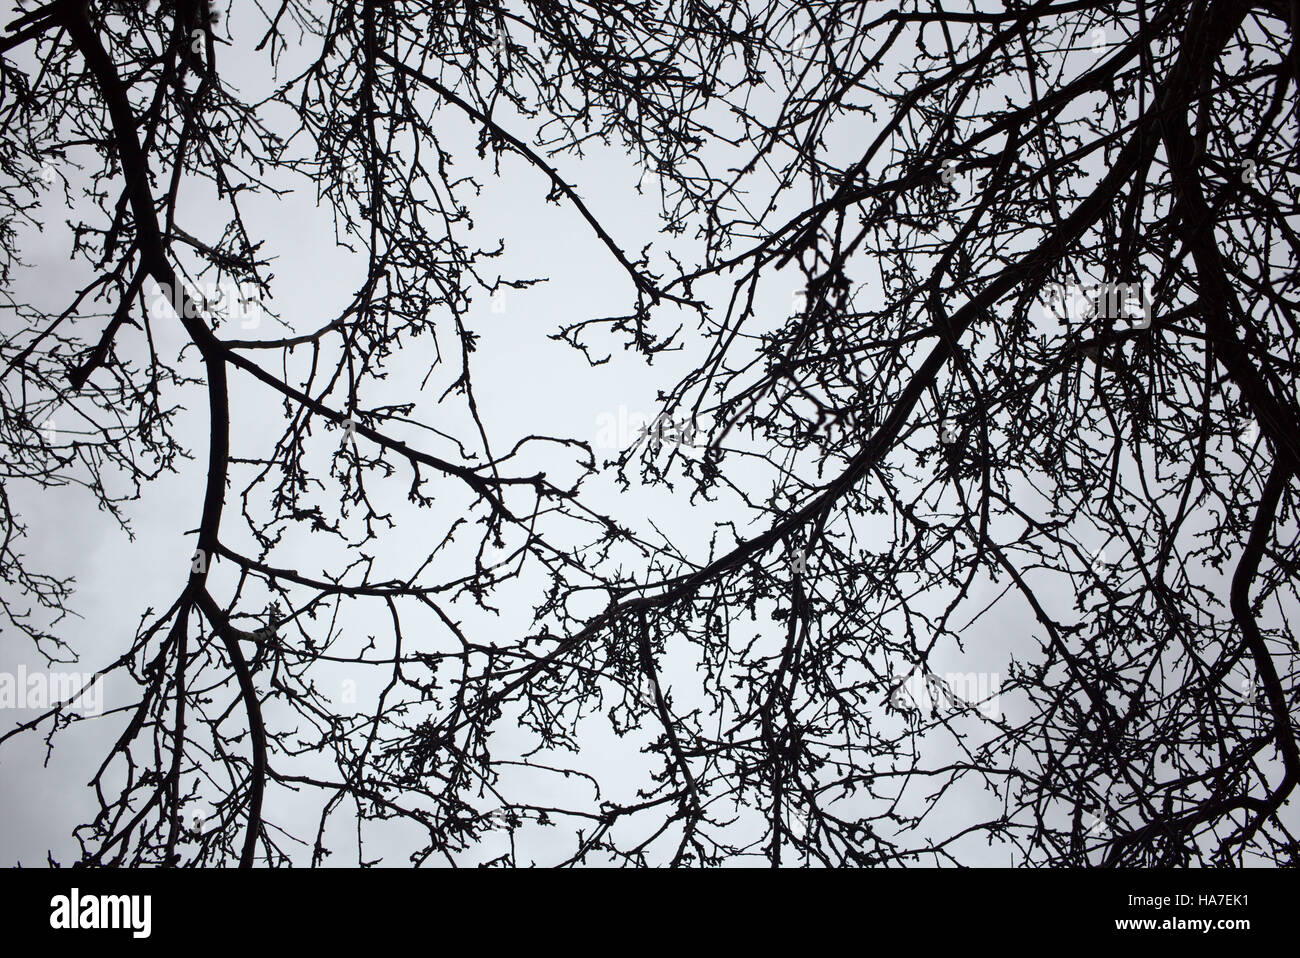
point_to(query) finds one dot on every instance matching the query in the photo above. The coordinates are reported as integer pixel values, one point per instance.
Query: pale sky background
(525, 384)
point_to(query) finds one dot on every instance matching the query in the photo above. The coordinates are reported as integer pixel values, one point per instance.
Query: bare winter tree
(1039, 370)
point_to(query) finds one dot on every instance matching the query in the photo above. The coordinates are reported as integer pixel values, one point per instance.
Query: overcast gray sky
(525, 384)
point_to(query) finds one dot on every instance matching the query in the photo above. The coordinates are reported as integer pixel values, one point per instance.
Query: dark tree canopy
(1033, 405)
